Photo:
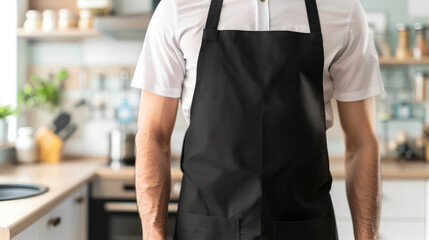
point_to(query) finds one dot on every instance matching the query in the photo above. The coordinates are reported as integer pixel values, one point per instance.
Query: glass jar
(25, 145)
(403, 47)
(49, 20)
(66, 19)
(85, 19)
(420, 87)
(420, 46)
(33, 20)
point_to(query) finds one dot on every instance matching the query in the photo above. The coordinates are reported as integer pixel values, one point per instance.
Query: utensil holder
(49, 145)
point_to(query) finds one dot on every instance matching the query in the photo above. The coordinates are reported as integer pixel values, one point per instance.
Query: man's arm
(363, 177)
(156, 120)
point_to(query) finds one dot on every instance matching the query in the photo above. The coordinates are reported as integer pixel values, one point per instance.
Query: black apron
(254, 159)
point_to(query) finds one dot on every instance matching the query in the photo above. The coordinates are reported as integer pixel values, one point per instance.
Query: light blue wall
(398, 80)
(396, 12)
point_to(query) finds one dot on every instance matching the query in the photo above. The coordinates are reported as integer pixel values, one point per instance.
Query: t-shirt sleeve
(161, 66)
(355, 70)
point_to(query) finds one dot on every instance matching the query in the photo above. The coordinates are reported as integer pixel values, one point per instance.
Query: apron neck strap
(214, 14)
(312, 15)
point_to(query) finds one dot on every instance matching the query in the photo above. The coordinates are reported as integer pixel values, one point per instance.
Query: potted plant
(5, 111)
(42, 93)
(39, 98)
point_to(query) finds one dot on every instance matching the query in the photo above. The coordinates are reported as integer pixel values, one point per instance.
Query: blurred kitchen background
(67, 66)
(97, 44)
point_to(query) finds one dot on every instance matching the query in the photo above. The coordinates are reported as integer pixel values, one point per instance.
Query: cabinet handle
(54, 221)
(79, 200)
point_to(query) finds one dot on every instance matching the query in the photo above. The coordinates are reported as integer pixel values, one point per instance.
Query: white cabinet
(30, 232)
(79, 214)
(402, 210)
(389, 230)
(56, 224)
(67, 221)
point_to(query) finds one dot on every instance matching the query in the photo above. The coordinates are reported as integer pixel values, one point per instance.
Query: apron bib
(254, 159)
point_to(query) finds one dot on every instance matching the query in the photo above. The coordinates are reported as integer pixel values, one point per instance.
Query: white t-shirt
(168, 60)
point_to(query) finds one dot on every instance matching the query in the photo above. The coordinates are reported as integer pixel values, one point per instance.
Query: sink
(18, 191)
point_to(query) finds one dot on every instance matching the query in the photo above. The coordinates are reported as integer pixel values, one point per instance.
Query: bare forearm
(363, 186)
(152, 185)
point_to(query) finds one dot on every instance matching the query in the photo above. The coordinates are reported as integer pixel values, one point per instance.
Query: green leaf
(6, 111)
(63, 74)
(41, 92)
(34, 79)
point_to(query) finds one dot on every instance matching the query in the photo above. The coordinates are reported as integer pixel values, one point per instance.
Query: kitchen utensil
(60, 119)
(121, 148)
(62, 122)
(67, 132)
(49, 145)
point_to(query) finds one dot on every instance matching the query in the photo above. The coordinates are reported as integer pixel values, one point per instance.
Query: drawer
(55, 224)
(389, 230)
(401, 198)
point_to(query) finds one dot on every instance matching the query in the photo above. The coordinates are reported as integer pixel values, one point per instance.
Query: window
(9, 59)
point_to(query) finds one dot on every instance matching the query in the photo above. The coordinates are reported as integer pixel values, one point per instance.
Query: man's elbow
(366, 145)
(148, 138)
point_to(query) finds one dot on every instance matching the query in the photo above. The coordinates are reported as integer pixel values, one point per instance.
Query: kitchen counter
(390, 168)
(64, 178)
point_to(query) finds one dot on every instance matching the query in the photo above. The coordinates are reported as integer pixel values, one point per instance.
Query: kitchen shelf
(58, 35)
(410, 61)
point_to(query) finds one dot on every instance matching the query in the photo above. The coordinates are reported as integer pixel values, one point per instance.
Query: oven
(113, 211)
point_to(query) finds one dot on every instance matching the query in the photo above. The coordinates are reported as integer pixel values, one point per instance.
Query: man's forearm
(363, 185)
(153, 182)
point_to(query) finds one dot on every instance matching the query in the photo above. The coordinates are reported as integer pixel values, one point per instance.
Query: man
(255, 79)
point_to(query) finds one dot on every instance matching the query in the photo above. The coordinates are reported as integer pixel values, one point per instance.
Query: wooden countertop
(67, 176)
(62, 179)
(390, 168)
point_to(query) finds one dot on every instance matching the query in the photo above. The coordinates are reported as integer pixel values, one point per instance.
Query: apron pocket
(191, 226)
(315, 229)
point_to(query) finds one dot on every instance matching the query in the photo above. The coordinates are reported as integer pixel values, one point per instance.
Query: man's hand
(157, 116)
(363, 177)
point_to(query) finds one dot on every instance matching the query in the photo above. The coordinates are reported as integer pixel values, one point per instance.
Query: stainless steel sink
(18, 191)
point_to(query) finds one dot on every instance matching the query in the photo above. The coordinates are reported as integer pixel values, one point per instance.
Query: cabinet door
(67, 221)
(79, 214)
(32, 232)
(345, 230)
(401, 198)
(56, 224)
(396, 230)
(389, 230)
